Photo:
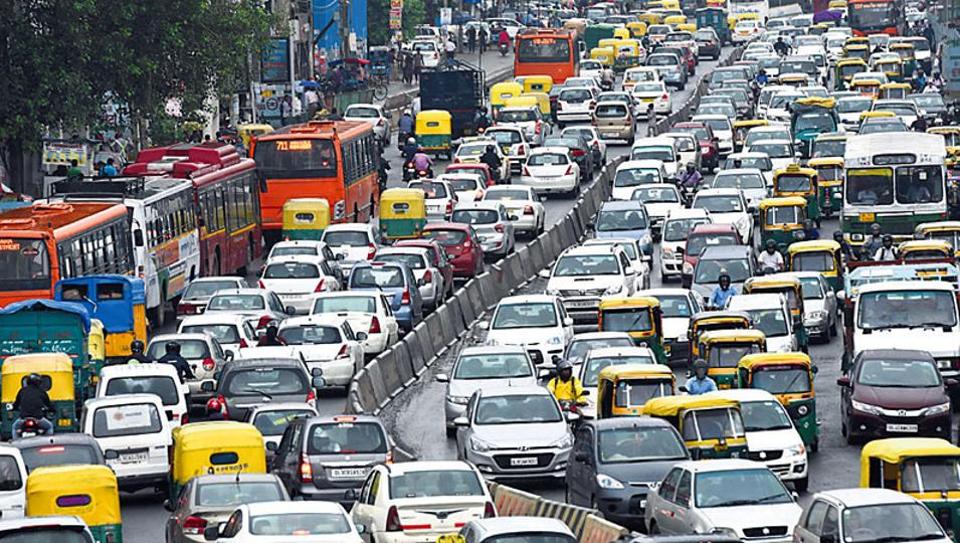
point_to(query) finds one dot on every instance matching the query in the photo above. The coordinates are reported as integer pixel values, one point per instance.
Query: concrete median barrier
(381, 394)
(393, 375)
(474, 297)
(425, 350)
(511, 502)
(407, 352)
(462, 297)
(445, 316)
(435, 333)
(598, 530)
(571, 515)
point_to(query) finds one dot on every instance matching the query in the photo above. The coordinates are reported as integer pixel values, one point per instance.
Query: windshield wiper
(771, 497)
(255, 391)
(734, 503)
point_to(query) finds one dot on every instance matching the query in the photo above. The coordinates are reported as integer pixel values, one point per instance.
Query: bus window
(24, 264)
(291, 158)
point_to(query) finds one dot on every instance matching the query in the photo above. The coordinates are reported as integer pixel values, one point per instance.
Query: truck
(457, 87)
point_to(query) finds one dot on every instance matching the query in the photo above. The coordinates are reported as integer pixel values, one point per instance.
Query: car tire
(800, 485)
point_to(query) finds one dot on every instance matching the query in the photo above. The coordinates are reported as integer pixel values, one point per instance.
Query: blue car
(397, 281)
(625, 219)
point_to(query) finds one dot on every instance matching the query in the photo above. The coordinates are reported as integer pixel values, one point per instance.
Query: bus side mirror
(138, 238)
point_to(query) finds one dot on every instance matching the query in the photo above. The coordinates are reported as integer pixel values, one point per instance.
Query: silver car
(491, 222)
(432, 288)
(483, 367)
(440, 198)
(515, 432)
(202, 351)
(819, 305)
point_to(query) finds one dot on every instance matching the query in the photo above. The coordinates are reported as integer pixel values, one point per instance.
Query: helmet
(887, 237)
(34, 379)
(723, 276)
(490, 148)
(136, 346)
(838, 235)
(771, 244)
(875, 228)
(407, 112)
(564, 365)
(172, 347)
(412, 141)
(700, 364)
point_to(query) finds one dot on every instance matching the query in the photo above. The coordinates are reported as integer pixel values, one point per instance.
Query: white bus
(163, 222)
(760, 7)
(896, 180)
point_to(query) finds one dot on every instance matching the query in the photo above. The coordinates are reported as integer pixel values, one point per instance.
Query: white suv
(673, 238)
(582, 275)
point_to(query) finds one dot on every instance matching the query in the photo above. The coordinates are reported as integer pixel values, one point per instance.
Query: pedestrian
(450, 48)
(417, 67)
(109, 170)
(408, 69)
(483, 37)
(472, 39)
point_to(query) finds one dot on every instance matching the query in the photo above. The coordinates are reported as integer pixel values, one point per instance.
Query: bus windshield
(872, 15)
(296, 158)
(543, 49)
(869, 186)
(24, 264)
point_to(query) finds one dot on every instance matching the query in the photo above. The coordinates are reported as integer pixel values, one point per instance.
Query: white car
(722, 127)
(689, 148)
(440, 198)
(365, 311)
(849, 109)
(591, 68)
(232, 331)
(523, 203)
(673, 239)
(258, 306)
(866, 76)
(357, 242)
(428, 50)
(537, 321)
(630, 247)
(779, 104)
(305, 247)
(295, 278)
(513, 143)
(632, 76)
(204, 354)
(660, 200)
(575, 104)
(760, 161)
(466, 186)
(653, 96)
(512, 26)
(551, 170)
(746, 30)
(470, 152)
(13, 498)
(770, 315)
(372, 114)
(772, 438)
(492, 224)
(781, 152)
(635, 173)
(429, 278)
(527, 118)
(272, 522)
(906, 110)
(415, 502)
(729, 497)
(583, 275)
(727, 206)
(195, 297)
(749, 181)
(773, 131)
(677, 305)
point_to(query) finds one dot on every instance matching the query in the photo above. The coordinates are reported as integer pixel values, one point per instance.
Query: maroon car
(709, 144)
(438, 257)
(894, 393)
(701, 237)
(461, 244)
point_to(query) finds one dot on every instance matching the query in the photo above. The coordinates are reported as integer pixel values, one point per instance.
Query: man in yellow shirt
(566, 387)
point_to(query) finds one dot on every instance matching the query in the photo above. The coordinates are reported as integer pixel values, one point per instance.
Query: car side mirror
(483, 325)
(361, 336)
(682, 388)
(841, 295)
(545, 373)
(138, 238)
(316, 372)
(421, 282)
(571, 416)
(815, 369)
(211, 533)
(951, 383)
(544, 274)
(168, 505)
(318, 382)
(361, 528)
(341, 256)
(590, 226)
(111, 454)
(290, 310)
(629, 271)
(461, 422)
(442, 378)
(843, 382)
(271, 446)
(228, 356)
(513, 217)
(207, 386)
(350, 494)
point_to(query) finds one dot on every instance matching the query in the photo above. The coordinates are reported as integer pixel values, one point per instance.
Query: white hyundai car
(296, 278)
(523, 203)
(537, 321)
(365, 311)
(551, 170)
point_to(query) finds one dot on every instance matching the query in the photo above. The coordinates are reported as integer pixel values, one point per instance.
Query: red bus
(226, 196)
(43, 243)
(335, 160)
(867, 17)
(544, 51)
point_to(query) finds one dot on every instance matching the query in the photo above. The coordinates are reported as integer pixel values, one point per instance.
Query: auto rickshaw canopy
(636, 371)
(786, 201)
(436, 121)
(895, 450)
(403, 203)
(929, 248)
(216, 447)
(621, 33)
(537, 83)
(57, 366)
(745, 335)
(672, 406)
(813, 246)
(795, 170)
(758, 360)
(499, 93)
(629, 302)
(897, 91)
(88, 491)
(878, 114)
(638, 29)
(603, 55)
(825, 162)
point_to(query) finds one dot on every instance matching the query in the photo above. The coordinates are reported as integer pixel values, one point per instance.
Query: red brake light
(184, 418)
(393, 520)
(499, 228)
(374, 326)
(528, 210)
(538, 128)
(342, 353)
(371, 251)
(186, 309)
(569, 170)
(666, 96)
(312, 397)
(194, 525)
(405, 298)
(243, 343)
(579, 152)
(261, 285)
(208, 364)
(526, 171)
(306, 470)
(520, 150)
(428, 276)
(449, 209)
(489, 511)
(319, 286)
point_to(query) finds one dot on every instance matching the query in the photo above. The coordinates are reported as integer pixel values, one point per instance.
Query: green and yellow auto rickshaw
(715, 18)
(435, 132)
(948, 231)
(795, 180)
(627, 54)
(86, 491)
(403, 213)
(857, 50)
(638, 29)
(56, 375)
(222, 447)
(844, 71)
(723, 349)
(537, 83)
(711, 427)
(907, 55)
(622, 391)
(705, 321)
(829, 181)
(927, 468)
(894, 91)
(501, 92)
(603, 55)
(781, 220)
(740, 129)
(925, 249)
(819, 255)
(791, 288)
(789, 377)
(640, 317)
(305, 218)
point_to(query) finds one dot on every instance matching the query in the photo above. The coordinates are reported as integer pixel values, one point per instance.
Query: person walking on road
(472, 39)
(482, 39)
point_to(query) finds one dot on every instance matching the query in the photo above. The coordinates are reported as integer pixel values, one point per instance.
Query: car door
(683, 517)
(660, 504)
(567, 328)
(365, 510)
(809, 528)
(630, 278)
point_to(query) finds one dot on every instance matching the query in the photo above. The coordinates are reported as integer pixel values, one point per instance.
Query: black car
(708, 44)
(579, 149)
(59, 449)
(244, 384)
(616, 461)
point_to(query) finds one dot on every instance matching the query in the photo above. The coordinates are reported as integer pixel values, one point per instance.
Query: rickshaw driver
(565, 387)
(771, 259)
(32, 403)
(172, 356)
(700, 382)
(722, 292)
(810, 231)
(691, 178)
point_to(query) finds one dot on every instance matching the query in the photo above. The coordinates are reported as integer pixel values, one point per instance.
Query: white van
(134, 433)
(160, 379)
(13, 480)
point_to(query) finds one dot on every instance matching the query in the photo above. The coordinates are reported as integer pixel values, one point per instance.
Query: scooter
(30, 428)
(504, 49)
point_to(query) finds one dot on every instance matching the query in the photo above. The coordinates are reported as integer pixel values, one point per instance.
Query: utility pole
(344, 29)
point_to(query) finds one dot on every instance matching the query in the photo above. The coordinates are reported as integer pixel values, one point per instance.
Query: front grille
(765, 531)
(580, 293)
(503, 460)
(780, 470)
(763, 456)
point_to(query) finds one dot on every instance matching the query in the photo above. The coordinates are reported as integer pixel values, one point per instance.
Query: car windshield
(435, 483)
(227, 494)
(739, 181)
(191, 349)
(517, 409)
(781, 101)
(829, 148)
(656, 195)
(890, 522)
(529, 315)
(638, 444)
(736, 487)
(446, 238)
(874, 126)
(612, 220)
(853, 105)
(818, 122)
(629, 320)
(593, 366)
(930, 474)
(413, 261)
(907, 309)
(899, 373)
(812, 290)
(438, 190)
(773, 150)
(224, 333)
(377, 277)
(772, 322)
(610, 110)
(274, 422)
(782, 380)
(696, 244)
(504, 137)
(475, 216)
(346, 238)
(50, 533)
(59, 454)
(267, 381)
(359, 304)
(514, 116)
(547, 159)
(719, 203)
(928, 99)
(793, 183)
(636, 176)
(462, 184)
(347, 437)
(311, 335)
(586, 265)
(663, 60)
(578, 349)
(761, 163)
(492, 366)
(126, 420)
(160, 385)
(575, 95)
(664, 153)
(299, 524)
(679, 229)
(728, 355)
(897, 109)
(236, 302)
(293, 250)
(764, 416)
(206, 289)
(291, 270)
(507, 195)
(647, 87)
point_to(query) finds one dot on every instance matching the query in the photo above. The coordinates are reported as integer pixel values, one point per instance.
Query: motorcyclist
(887, 252)
(781, 47)
(405, 126)
(872, 243)
(422, 163)
(700, 382)
(565, 386)
(172, 356)
(491, 159)
(690, 178)
(810, 231)
(722, 292)
(409, 149)
(771, 259)
(483, 120)
(32, 403)
(271, 337)
(136, 354)
(762, 77)
(920, 124)
(503, 39)
(845, 248)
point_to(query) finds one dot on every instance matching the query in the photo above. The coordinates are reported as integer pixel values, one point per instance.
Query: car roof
(492, 349)
(221, 278)
(857, 497)
(720, 464)
(896, 354)
(349, 227)
(302, 259)
(491, 527)
(214, 317)
(628, 422)
(122, 399)
(588, 336)
(726, 251)
(745, 394)
(603, 352)
(243, 477)
(756, 301)
(654, 292)
(517, 390)
(688, 213)
(401, 468)
(492, 205)
(553, 149)
(320, 319)
(408, 250)
(527, 299)
(133, 370)
(643, 163)
(598, 249)
(906, 285)
(737, 171)
(617, 205)
(16, 524)
(243, 363)
(195, 336)
(282, 406)
(284, 507)
(720, 191)
(56, 439)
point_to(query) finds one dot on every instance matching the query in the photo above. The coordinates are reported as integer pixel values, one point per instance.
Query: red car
(461, 244)
(709, 144)
(473, 168)
(701, 237)
(438, 257)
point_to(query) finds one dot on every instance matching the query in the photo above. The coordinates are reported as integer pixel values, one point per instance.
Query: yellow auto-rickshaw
(403, 213)
(781, 220)
(603, 55)
(650, 18)
(856, 50)
(435, 132)
(56, 375)
(249, 131)
(866, 87)
(97, 343)
(687, 27)
(797, 80)
(948, 231)
(789, 286)
(501, 92)
(305, 218)
(925, 249)
(819, 255)
(608, 42)
(797, 181)
(892, 67)
(845, 69)
(638, 29)
(537, 83)
(830, 181)
(723, 349)
(621, 33)
(894, 91)
(638, 316)
(906, 52)
(951, 138)
(789, 377)
(623, 390)
(627, 54)
(706, 321)
(711, 427)
(927, 468)
(540, 100)
(214, 448)
(88, 491)
(837, 4)
(675, 20)
(740, 129)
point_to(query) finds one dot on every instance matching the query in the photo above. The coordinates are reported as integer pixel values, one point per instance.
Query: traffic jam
(755, 338)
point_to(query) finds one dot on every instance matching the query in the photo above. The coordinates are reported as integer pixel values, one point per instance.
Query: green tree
(414, 13)
(378, 22)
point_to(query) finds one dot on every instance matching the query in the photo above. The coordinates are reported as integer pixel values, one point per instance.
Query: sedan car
(397, 281)
(871, 514)
(551, 170)
(749, 181)
(357, 242)
(538, 322)
(781, 152)
(727, 206)
(244, 384)
(198, 292)
(581, 344)
(272, 419)
(492, 224)
(270, 522)
(523, 203)
(636, 173)
(372, 114)
(583, 274)
(820, 313)
(440, 198)
(258, 306)
(672, 71)
(526, 118)
(467, 187)
(295, 278)
(593, 139)
(429, 278)
(580, 149)
(653, 97)
(575, 104)
(514, 432)
(365, 312)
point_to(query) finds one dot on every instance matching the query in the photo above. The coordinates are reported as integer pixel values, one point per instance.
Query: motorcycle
(30, 428)
(571, 412)
(504, 49)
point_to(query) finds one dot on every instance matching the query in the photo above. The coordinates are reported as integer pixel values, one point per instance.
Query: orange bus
(335, 160)
(544, 51)
(867, 17)
(43, 243)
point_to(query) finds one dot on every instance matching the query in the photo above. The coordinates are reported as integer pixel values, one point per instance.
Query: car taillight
(389, 458)
(538, 127)
(374, 326)
(665, 96)
(559, 105)
(477, 196)
(520, 150)
(528, 210)
(319, 286)
(526, 171)
(456, 160)
(243, 344)
(260, 284)
(194, 525)
(312, 397)
(405, 297)
(371, 251)
(489, 511)
(592, 104)
(184, 418)
(449, 208)
(428, 276)
(498, 228)
(186, 309)
(579, 152)
(306, 470)
(393, 520)
(264, 320)
(343, 352)
(569, 170)
(218, 403)
(208, 364)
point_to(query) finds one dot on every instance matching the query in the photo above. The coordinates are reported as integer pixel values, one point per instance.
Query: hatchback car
(537, 322)
(673, 239)
(59, 449)
(432, 289)
(439, 198)
(728, 206)
(593, 139)
(551, 170)
(513, 143)
(736, 261)
(581, 150)
(368, 312)
(703, 235)
(749, 181)
(354, 241)
(198, 292)
(258, 306)
(295, 278)
(524, 204)
(397, 281)
(373, 115)
(201, 350)
(528, 119)
(625, 219)
(244, 384)
(575, 104)
(636, 173)
(231, 332)
(492, 225)
(615, 121)
(269, 522)
(462, 247)
(672, 70)
(493, 530)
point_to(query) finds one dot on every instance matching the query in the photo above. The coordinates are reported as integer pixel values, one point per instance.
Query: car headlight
(937, 409)
(615, 289)
(564, 442)
(729, 532)
(555, 340)
(459, 400)
(688, 268)
(646, 240)
(803, 410)
(865, 407)
(552, 292)
(796, 450)
(479, 445)
(605, 481)
(668, 253)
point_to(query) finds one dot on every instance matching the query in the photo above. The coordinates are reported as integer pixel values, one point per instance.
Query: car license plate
(133, 458)
(647, 100)
(909, 428)
(643, 504)
(580, 304)
(348, 473)
(525, 461)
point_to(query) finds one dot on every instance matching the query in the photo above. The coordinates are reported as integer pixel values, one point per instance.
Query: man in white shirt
(887, 252)
(771, 259)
